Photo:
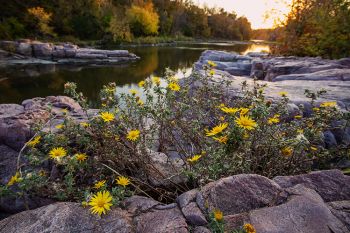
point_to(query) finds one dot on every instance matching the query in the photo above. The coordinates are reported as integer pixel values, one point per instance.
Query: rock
(36, 52)
(67, 217)
(237, 71)
(24, 48)
(163, 171)
(9, 46)
(70, 53)
(201, 229)
(344, 61)
(218, 56)
(257, 54)
(138, 204)
(324, 75)
(305, 211)
(187, 197)
(331, 185)
(329, 139)
(235, 221)
(13, 205)
(58, 52)
(341, 209)
(242, 193)
(8, 163)
(193, 215)
(165, 221)
(42, 50)
(16, 121)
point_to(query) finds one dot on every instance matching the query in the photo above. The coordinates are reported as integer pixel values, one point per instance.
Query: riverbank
(28, 52)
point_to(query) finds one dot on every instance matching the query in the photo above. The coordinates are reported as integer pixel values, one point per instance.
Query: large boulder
(16, 121)
(8, 163)
(331, 185)
(242, 193)
(305, 211)
(24, 48)
(164, 171)
(42, 50)
(67, 217)
(324, 75)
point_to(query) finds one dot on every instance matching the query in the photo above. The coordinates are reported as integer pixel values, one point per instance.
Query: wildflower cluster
(107, 156)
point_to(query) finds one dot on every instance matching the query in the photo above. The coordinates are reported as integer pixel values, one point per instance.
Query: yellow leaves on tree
(42, 19)
(143, 20)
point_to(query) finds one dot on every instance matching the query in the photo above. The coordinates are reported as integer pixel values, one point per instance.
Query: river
(20, 83)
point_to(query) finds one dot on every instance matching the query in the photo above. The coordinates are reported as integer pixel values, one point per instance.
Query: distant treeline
(312, 28)
(117, 20)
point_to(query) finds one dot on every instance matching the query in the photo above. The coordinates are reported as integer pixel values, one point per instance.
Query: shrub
(213, 135)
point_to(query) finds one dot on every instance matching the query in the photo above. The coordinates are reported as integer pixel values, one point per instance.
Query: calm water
(18, 84)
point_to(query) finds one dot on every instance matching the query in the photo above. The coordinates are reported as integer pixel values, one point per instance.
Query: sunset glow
(254, 10)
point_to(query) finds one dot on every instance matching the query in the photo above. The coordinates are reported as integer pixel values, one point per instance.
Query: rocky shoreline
(315, 202)
(291, 74)
(318, 202)
(28, 52)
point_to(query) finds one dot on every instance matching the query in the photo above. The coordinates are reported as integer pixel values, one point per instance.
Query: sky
(254, 10)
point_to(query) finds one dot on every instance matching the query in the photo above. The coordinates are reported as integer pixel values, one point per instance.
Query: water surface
(18, 84)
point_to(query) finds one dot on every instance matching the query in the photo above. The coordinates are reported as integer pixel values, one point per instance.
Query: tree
(143, 20)
(42, 19)
(318, 28)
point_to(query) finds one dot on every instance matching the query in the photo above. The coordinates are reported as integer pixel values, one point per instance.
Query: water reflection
(18, 84)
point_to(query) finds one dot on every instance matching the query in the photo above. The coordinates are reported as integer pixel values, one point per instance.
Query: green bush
(213, 134)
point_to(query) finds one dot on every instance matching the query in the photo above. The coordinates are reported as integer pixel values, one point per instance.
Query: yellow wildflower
(211, 72)
(57, 153)
(218, 215)
(34, 141)
(174, 86)
(287, 151)
(142, 84)
(140, 102)
(42, 173)
(14, 179)
(156, 81)
(60, 126)
(283, 93)
(107, 116)
(101, 202)
(123, 181)
(229, 110)
(298, 117)
(246, 122)
(313, 148)
(222, 139)
(244, 111)
(133, 135)
(133, 91)
(249, 228)
(217, 129)
(81, 157)
(273, 120)
(316, 109)
(245, 135)
(100, 184)
(85, 124)
(212, 64)
(84, 204)
(194, 159)
(328, 104)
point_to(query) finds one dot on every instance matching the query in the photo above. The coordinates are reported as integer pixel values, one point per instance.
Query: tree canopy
(118, 20)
